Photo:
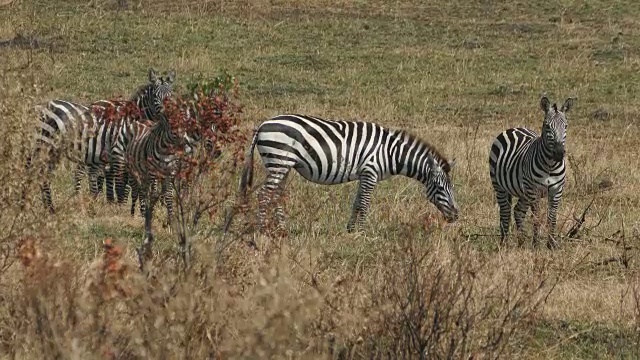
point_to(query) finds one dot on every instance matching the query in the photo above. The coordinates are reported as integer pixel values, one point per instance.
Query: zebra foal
(335, 152)
(529, 167)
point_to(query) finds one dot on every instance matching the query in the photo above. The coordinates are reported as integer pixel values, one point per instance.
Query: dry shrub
(205, 178)
(417, 301)
(440, 302)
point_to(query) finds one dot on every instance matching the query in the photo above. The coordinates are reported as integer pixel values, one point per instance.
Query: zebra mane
(437, 155)
(139, 91)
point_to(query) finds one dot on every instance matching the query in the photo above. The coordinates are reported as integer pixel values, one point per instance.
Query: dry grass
(455, 73)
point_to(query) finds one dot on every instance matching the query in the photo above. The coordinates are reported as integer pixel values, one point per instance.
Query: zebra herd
(522, 164)
(138, 149)
(136, 153)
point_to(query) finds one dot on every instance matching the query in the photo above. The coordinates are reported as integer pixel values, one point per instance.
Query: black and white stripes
(65, 129)
(151, 153)
(148, 99)
(529, 167)
(77, 132)
(334, 152)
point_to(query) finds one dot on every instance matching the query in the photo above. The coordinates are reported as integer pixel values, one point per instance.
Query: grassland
(454, 72)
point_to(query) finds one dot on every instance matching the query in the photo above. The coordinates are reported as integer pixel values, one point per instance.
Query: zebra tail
(247, 173)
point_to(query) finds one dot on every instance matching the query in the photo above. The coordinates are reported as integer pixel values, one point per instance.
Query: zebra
(529, 167)
(151, 152)
(118, 158)
(158, 88)
(335, 152)
(74, 130)
(192, 139)
(57, 119)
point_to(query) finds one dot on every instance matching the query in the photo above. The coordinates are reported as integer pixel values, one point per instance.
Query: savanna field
(455, 73)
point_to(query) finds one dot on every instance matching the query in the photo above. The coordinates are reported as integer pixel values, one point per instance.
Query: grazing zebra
(529, 167)
(71, 129)
(334, 152)
(152, 155)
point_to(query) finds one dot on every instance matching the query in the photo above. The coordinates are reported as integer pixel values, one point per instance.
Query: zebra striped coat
(335, 152)
(153, 154)
(73, 130)
(65, 129)
(529, 167)
(157, 89)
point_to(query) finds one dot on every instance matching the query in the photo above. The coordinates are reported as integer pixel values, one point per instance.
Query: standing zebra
(157, 88)
(71, 129)
(335, 152)
(528, 166)
(152, 155)
(119, 159)
(57, 119)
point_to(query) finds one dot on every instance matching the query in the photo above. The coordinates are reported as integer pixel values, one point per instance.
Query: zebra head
(150, 96)
(439, 188)
(193, 136)
(554, 127)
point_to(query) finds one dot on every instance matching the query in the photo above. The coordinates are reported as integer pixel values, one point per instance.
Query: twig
(314, 284)
(573, 231)
(618, 259)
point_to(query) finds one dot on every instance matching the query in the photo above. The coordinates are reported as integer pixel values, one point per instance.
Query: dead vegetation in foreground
(405, 288)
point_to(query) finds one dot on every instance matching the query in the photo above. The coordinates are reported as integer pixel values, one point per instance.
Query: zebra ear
(545, 104)
(171, 77)
(568, 104)
(432, 163)
(452, 163)
(153, 75)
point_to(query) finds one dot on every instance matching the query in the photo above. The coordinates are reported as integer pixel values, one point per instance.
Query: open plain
(455, 73)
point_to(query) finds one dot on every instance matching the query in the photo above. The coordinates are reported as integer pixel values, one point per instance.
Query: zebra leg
(519, 213)
(504, 203)
(552, 217)
(144, 252)
(136, 195)
(362, 201)
(167, 195)
(95, 181)
(279, 210)
(109, 176)
(265, 196)
(99, 182)
(78, 175)
(45, 187)
(535, 215)
(121, 180)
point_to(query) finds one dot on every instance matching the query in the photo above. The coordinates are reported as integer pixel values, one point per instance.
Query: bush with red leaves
(209, 114)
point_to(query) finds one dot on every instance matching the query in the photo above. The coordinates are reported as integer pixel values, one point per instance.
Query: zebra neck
(408, 157)
(142, 98)
(161, 149)
(544, 159)
(145, 108)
